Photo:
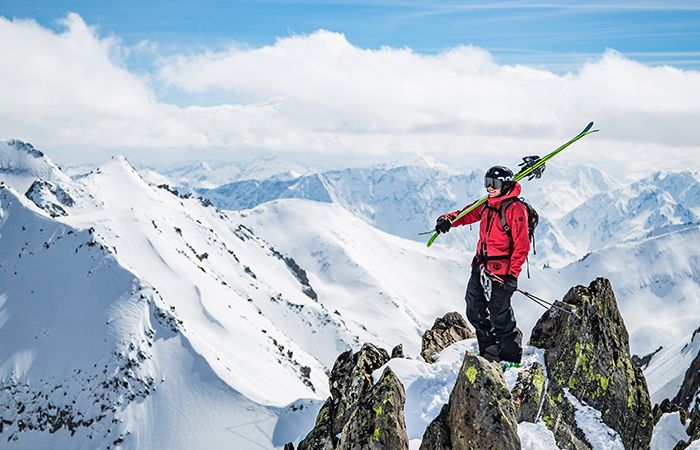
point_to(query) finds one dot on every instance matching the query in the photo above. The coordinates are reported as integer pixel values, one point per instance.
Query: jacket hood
(515, 192)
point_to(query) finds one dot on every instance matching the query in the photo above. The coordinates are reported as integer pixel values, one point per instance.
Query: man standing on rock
(500, 252)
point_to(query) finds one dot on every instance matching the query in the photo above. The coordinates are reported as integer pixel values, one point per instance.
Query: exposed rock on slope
(378, 420)
(479, 415)
(446, 331)
(689, 394)
(357, 410)
(590, 360)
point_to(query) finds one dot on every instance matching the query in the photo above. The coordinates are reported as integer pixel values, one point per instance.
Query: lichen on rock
(480, 413)
(350, 381)
(590, 356)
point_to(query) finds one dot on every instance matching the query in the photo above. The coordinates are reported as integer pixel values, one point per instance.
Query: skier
(500, 252)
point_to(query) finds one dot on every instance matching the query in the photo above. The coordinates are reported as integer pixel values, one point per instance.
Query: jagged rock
(479, 414)
(446, 331)
(590, 357)
(377, 421)
(350, 380)
(693, 429)
(666, 407)
(50, 197)
(527, 393)
(397, 352)
(289, 446)
(689, 392)
(321, 437)
(643, 361)
(437, 435)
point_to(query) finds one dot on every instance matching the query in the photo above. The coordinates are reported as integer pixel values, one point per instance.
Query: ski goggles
(493, 182)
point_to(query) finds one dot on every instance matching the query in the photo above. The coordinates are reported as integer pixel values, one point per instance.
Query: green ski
(520, 175)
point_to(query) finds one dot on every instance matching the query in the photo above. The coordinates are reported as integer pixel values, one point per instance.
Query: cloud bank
(321, 96)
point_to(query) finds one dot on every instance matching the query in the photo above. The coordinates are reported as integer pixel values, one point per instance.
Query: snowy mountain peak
(21, 164)
(419, 161)
(25, 147)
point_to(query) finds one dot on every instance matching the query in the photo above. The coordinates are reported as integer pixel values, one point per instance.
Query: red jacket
(504, 258)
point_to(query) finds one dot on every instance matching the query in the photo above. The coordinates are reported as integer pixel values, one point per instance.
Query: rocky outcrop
(350, 383)
(589, 358)
(689, 393)
(479, 415)
(446, 331)
(50, 197)
(527, 393)
(377, 421)
(397, 352)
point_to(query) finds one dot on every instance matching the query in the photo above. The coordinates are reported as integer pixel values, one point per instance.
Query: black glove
(530, 161)
(510, 283)
(443, 224)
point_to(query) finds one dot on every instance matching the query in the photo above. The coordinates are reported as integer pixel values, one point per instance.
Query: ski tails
(523, 173)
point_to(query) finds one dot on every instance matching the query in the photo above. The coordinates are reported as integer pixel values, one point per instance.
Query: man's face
(492, 192)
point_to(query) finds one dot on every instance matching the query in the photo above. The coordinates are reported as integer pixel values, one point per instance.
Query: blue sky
(178, 81)
(553, 34)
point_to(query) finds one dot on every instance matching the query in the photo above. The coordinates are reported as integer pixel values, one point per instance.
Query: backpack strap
(502, 214)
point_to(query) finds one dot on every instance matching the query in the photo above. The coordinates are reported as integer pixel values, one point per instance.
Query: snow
(428, 386)
(530, 356)
(367, 275)
(21, 164)
(590, 225)
(589, 420)
(666, 370)
(536, 436)
(196, 320)
(121, 278)
(668, 432)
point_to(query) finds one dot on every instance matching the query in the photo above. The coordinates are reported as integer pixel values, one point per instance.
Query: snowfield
(134, 314)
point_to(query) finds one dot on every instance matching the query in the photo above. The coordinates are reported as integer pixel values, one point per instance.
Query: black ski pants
(493, 320)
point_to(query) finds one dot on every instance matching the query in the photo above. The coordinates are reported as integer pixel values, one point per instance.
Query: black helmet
(499, 177)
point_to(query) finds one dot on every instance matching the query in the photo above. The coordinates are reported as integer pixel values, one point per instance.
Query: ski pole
(543, 303)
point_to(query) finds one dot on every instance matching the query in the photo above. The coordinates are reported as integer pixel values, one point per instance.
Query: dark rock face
(350, 381)
(643, 361)
(437, 435)
(50, 197)
(397, 352)
(25, 147)
(690, 389)
(693, 429)
(667, 407)
(446, 331)
(590, 357)
(377, 422)
(527, 393)
(479, 414)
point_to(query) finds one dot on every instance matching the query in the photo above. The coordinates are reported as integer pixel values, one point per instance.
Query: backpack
(533, 219)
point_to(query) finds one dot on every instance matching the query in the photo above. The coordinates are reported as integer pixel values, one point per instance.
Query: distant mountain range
(135, 313)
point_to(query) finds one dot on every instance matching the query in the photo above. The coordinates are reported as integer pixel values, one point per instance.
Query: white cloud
(322, 96)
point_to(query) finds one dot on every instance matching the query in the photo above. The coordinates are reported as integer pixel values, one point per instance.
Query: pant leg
(502, 318)
(478, 315)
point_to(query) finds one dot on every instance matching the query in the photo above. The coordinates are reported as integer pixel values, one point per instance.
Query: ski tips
(588, 130)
